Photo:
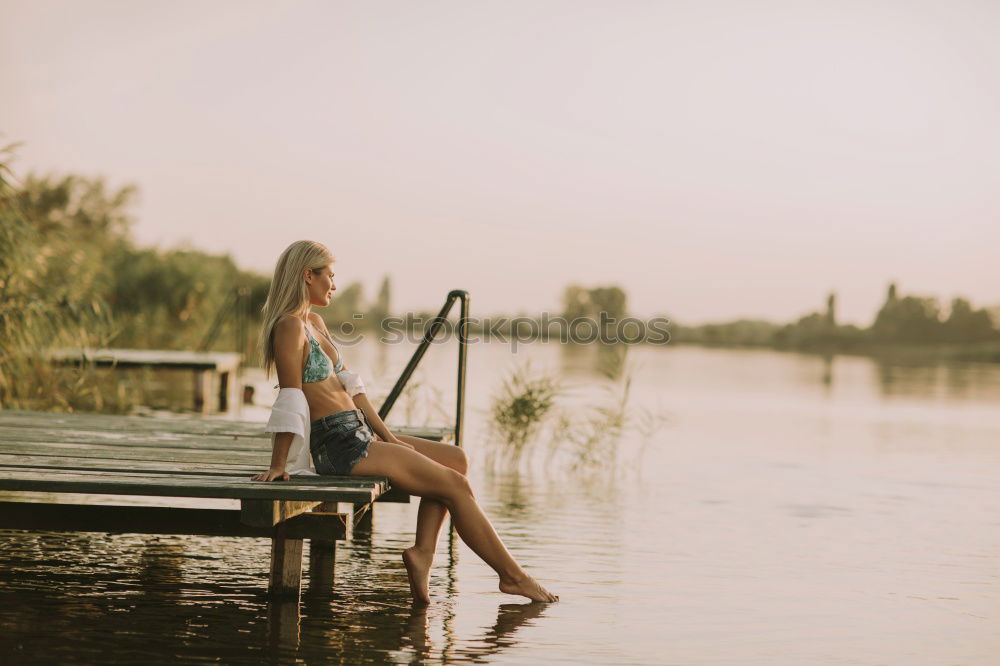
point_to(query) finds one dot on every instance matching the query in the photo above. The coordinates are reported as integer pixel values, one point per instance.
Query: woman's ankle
(421, 549)
(514, 577)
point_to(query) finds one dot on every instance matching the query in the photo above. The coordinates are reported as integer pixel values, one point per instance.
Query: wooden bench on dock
(213, 372)
(64, 455)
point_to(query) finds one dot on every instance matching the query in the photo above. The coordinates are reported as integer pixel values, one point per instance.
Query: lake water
(788, 510)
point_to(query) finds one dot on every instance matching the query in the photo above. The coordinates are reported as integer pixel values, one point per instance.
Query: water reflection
(284, 622)
(952, 380)
(604, 360)
(514, 502)
(611, 360)
(510, 617)
(827, 377)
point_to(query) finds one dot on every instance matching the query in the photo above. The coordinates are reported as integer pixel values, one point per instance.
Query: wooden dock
(213, 372)
(63, 455)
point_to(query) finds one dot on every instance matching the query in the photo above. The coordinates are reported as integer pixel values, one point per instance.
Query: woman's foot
(418, 571)
(527, 587)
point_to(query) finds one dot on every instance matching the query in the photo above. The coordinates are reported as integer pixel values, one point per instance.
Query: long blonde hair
(289, 293)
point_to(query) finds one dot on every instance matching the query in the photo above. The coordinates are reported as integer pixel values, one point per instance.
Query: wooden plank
(124, 465)
(395, 495)
(315, 489)
(152, 358)
(42, 462)
(117, 422)
(137, 453)
(178, 425)
(81, 435)
(127, 439)
(379, 483)
(375, 482)
(268, 513)
(323, 527)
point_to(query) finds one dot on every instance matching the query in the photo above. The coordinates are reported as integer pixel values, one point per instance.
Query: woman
(324, 404)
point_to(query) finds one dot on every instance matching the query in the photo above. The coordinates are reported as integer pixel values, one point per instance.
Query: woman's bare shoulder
(318, 322)
(289, 329)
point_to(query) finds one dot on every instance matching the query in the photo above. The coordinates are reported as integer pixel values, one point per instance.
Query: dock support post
(202, 391)
(224, 378)
(286, 564)
(323, 555)
(322, 565)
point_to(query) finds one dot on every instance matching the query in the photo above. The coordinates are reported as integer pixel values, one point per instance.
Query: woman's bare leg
(419, 475)
(430, 516)
(419, 557)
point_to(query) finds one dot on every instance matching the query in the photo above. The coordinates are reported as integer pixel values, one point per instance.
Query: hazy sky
(714, 158)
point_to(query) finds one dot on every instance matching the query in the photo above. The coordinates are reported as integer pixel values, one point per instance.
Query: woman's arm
(279, 458)
(289, 338)
(364, 404)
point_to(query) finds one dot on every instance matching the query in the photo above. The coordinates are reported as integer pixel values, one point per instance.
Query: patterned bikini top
(318, 363)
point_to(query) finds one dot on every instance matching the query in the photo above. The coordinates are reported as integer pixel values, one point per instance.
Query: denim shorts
(338, 441)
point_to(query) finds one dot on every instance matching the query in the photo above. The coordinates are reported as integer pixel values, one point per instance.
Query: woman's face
(321, 286)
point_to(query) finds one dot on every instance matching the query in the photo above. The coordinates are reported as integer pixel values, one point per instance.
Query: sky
(715, 158)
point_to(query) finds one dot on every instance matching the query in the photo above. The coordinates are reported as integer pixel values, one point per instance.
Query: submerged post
(286, 564)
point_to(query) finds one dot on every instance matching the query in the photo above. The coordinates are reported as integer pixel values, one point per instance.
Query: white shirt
(290, 413)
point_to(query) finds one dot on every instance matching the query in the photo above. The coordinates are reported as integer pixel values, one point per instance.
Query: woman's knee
(456, 486)
(461, 463)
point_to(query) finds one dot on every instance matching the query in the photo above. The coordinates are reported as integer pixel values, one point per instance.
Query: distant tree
(170, 299)
(610, 299)
(382, 306)
(965, 324)
(81, 225)
(576, 302)
(819, 331)
(579, 302)
(910, 319)
(582, 302)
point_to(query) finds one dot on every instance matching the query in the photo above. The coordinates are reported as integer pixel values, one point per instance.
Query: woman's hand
(272, 474)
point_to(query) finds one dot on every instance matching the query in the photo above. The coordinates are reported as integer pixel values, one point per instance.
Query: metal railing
(463, 348)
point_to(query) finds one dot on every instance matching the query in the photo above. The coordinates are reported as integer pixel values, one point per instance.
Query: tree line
(901, 321)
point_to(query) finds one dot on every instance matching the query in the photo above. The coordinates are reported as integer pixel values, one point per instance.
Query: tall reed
(46, 301)
(531, 407)
(518, 410)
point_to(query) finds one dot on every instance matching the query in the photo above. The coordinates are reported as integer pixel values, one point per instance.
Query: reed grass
(530, 408)
(39, 312)
(519, 409)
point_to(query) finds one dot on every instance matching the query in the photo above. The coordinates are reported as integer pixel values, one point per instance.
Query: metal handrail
(463, 348)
